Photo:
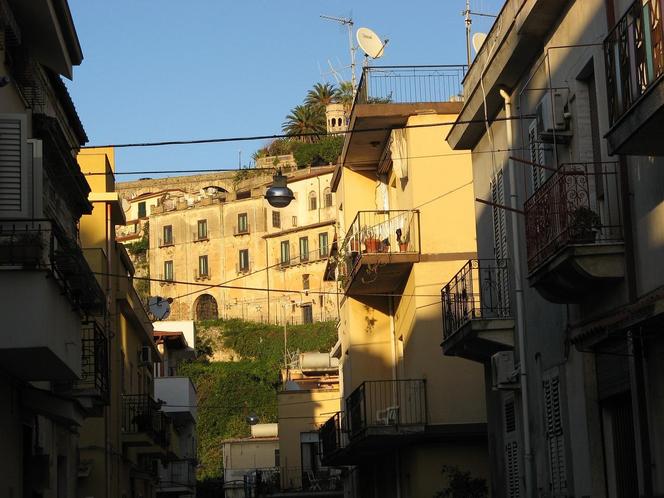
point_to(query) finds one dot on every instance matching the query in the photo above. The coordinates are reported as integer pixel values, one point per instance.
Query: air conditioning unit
(552, 119)
(145, 356)
(503, 373)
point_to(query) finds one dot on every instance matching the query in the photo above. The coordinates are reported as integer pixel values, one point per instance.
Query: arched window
(327, 197)
(206, 308)
(313, 201)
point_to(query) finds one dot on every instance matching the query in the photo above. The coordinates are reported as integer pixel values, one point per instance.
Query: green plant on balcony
(584, 225)
(403, 240)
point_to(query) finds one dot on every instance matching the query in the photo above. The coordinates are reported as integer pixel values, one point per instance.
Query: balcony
(93, 387)
(574, 232)
(334, 437)
(477, 317)
(379, 251)
(634, 62)
(177, 478)
(144, 426)
(388, 96)
(179, 397)
(52, 288)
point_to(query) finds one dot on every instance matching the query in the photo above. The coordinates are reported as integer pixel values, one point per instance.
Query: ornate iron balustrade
(94, 360)
(578, 204)
(480, 290)
(41, 244)
(381, 403)
(634, 55)
(410, 84)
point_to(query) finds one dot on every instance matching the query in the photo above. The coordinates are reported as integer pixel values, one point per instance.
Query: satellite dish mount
(371, 44)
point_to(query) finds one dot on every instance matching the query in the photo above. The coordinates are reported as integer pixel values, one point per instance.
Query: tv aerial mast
(476, 41)
(348, 22)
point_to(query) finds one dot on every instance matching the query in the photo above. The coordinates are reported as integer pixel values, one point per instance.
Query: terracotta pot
(403, 246)
(371, 244)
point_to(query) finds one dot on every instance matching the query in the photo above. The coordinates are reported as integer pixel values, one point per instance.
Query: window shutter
(538, 155)
(555, 436)
(500, 237)
(14, 181)
(512, 477)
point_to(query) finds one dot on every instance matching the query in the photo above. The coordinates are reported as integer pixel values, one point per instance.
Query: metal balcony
(574, 231)
(177, 478)
(379, 250)
(634, 62)
(477, 316)
(333, 437)
(93, 387)
(144, 426)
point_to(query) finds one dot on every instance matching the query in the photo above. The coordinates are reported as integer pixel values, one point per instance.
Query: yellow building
(228, 254)
(308, 395)
(119, 452)
(405, 204)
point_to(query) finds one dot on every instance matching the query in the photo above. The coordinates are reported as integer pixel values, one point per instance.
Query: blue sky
(172, 70)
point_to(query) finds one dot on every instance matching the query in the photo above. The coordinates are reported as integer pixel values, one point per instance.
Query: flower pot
(371, 244)
(403, 246)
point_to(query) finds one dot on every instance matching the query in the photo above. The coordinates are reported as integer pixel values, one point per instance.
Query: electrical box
(503, 373)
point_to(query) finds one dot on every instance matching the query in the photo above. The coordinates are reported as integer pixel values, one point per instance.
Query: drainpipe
(518, 290)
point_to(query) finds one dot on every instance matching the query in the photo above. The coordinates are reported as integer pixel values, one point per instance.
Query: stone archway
(206, 308)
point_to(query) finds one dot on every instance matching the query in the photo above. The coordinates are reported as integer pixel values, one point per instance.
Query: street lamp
(279, 195)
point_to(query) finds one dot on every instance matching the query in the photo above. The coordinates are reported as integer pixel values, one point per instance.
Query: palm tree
(345, 95)
(305, 119)
(321, 95)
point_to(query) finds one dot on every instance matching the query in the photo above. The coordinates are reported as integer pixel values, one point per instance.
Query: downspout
(518, 290)
(109, 292)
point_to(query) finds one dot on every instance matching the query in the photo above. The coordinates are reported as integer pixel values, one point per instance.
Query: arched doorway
(206, 308)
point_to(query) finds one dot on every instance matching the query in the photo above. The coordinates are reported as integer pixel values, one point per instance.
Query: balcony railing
(41, 244)
(94, 360)
(634, 56)
(382, 232)
(142, 414)
(333, 434)
(386, 403)
(480, 290)
(578, 204)
(178, 474)
(410, 84)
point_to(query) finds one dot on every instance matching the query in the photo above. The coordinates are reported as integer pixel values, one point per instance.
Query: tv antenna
(348, 22)
(371, 44)
(467, 13)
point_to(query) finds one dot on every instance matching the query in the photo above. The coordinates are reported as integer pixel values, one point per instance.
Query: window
(202, 229)
(305, 281)
(243, 262)
(285, 253)
(203, 266)
(242, 223)
(313, 201)
(294, 221)
(276, 458)
(168, 270)
(307, 314)
(276, 219)
(142, 211)
(304, 248)
(323, 248)
(168, 235)
(327, 195)
(540, 154)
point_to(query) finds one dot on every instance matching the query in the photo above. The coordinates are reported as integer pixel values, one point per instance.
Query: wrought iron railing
(634, 55)
(480, 290)
(94, 360)
(381, 403)
(333, 434)
(410, 84)
(309, 479)
(142, 414)
(578, 204)
(178, 473)
(41, 244)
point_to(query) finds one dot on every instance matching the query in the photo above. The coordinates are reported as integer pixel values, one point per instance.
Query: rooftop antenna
(348, 22)
(476, 43)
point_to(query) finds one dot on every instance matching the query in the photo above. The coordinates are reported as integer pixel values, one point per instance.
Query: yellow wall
(249, 453)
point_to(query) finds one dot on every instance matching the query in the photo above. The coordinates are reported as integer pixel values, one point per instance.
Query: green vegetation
(138, 248)
(462, 484)
(323, 152)
(229, 391)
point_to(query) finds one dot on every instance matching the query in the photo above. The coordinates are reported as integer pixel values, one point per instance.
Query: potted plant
(371, 243)
(402, 240)
(584, 225)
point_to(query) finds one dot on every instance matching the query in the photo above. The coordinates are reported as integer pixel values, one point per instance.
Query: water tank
(265, 430)
(317, 361)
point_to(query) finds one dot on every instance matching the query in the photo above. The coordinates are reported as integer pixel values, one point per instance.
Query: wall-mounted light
(279, 195)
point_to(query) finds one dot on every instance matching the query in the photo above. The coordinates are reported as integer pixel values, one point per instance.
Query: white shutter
(555, 438)
(510, 434)
(501, 253)
(14, 181)
(538, 155)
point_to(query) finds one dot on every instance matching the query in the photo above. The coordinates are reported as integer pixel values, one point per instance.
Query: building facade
(568, 169)
(406, 410)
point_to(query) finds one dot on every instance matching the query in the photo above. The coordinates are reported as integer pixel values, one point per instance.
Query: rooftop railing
(410, 84)
(634, 55)
(386, 403)
(480, 290)
(578, 204)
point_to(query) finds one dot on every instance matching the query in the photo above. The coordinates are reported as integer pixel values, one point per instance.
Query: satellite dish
(370, 43)
(159, 307)
(478, 41)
